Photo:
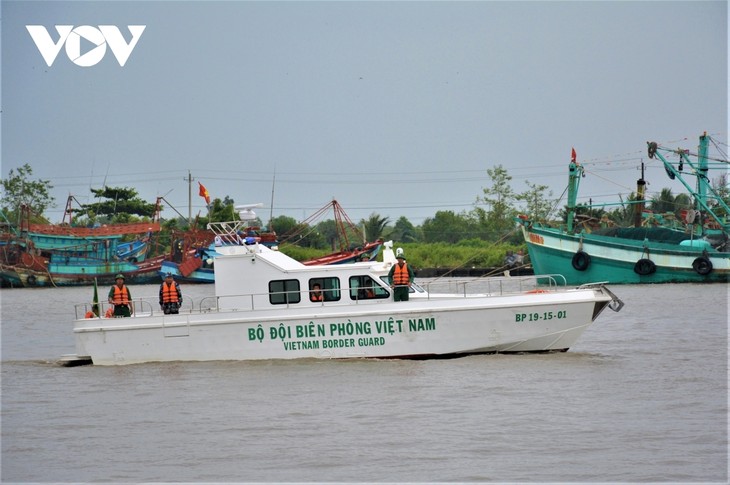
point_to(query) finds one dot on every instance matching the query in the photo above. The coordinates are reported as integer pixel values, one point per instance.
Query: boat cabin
(269, 278)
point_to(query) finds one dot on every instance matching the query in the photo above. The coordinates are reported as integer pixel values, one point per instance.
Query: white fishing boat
(262, 310)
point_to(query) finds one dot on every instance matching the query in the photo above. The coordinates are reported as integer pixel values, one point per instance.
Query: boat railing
(141, 307)
(228, 233)
(209, 304)
(495, 286)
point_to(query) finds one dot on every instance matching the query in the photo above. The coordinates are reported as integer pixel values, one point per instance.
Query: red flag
(573, 155)
(204, 193)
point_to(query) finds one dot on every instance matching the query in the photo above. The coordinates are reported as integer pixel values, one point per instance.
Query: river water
(641, 397)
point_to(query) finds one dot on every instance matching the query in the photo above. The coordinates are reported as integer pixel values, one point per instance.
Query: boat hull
(82, 275)
(69, 256)
(614, 260)
(369, 251)
(445, 327)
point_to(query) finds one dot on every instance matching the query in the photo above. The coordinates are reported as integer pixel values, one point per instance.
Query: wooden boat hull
(82, 275)
(614, 260)
(688, 247)
(369, 250)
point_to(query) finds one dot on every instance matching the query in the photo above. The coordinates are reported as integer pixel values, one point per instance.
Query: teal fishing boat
(66, 255)
(692, 247)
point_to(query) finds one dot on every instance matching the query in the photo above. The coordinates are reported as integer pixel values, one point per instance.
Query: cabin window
(329, 289)
(365, 288)
(283, 292)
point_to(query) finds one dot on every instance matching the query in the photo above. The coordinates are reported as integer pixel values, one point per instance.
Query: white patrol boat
(266, 307)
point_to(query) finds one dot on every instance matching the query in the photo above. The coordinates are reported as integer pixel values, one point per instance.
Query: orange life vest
(121, 295)
(169, 293)
(316, 297)
(400, 275)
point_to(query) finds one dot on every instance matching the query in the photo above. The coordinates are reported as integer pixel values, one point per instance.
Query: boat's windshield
(415, 288)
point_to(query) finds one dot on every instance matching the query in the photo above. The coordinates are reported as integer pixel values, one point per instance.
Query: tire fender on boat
(31, 280)
(702, 265)
(581, 260)
(644, 267)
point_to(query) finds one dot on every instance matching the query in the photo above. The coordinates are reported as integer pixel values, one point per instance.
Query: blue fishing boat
(692, 247)
(65, 255)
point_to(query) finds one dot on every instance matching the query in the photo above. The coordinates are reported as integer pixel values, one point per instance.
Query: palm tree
(663, 202)
(374, 226)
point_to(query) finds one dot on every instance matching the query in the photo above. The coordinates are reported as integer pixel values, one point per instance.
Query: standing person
(170, 295)
(121, 298)
(400, 277)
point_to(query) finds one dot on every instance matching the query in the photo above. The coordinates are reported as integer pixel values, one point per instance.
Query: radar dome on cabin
(246, 213)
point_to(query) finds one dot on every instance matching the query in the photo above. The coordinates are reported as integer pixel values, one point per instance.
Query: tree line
(491, 220)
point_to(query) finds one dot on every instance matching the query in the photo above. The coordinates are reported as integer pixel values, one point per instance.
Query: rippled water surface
(641, 397)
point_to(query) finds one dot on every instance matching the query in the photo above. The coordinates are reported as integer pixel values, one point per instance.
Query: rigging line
(722, 152)
(611, 181)
(557, 203)
(689, 138)
(696, 155)
(613, 158)
(640, 152)
(357, 181)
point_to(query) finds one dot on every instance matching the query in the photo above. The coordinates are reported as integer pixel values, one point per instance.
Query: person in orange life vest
(400, 277)
(366, 288)
(121, 298)
(170, 295)
(316, 294)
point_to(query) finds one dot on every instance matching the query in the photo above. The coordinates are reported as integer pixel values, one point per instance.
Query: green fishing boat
(693, 247)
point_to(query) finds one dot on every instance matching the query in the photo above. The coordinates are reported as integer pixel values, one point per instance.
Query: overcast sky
(395, 108)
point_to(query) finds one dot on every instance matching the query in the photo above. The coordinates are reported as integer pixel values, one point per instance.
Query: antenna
(190, 197)
(271, 213)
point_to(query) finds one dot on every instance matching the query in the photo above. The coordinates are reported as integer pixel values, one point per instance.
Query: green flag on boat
(95, 306)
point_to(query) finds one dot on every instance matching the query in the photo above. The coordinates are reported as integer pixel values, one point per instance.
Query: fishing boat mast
(640, 192)
(703, 191)
(575, 172)
(702, 168)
